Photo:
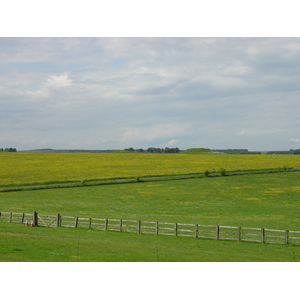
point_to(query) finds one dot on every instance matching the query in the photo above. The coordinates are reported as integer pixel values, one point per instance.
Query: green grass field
(20, 243)
(269, 200)
(257, 200)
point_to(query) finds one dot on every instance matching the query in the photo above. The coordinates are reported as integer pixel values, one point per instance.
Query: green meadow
(258, 200)
(269, 200)
(37, 244)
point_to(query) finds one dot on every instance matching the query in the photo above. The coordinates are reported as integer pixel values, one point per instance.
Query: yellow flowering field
(26, 167)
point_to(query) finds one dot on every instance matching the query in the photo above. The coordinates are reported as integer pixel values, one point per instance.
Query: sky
(115, 93)
(181, 76)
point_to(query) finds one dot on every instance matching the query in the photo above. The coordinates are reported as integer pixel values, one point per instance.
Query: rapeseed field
(26, 167)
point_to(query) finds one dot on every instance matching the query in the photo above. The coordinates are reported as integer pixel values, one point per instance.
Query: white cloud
(257, 131)
(295, 140)
(52, 83)
(172, 143)
(153, 133)
(58, 81)
(46, 142)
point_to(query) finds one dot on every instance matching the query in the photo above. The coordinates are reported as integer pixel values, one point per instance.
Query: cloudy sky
(114, 93)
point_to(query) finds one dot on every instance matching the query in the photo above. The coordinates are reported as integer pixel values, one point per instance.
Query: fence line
(217, 232)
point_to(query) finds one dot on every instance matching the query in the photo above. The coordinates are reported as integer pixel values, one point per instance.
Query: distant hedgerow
(223, 171)
(206, 173)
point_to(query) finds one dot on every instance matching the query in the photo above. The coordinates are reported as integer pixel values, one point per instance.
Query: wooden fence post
(217, 232)
(58, 220)
(9, 217)
(262, 235)
(239, 234)
(76, 222)
(286, 236)
(35, 219)
(196, 230)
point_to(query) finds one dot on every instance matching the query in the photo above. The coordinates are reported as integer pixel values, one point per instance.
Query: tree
(10, 150)
(297, 151)
(223, 171)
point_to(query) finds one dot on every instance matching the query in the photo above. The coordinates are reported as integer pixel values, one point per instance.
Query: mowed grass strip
(26, 244)
(258, 200)
(26, 167)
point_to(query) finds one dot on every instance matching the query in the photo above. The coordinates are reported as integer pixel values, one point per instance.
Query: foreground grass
(25, 244)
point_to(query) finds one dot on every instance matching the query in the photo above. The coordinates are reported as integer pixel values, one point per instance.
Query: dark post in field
(262, 235)
(120, 225)
(35, 219)
(196, 230)
(58, 220)
(217, 232)
(76, 222)
(286, 236)
(175, 229)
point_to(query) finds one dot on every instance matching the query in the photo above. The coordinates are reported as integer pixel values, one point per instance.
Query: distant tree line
(245, 151)
(236, 151)
(69, 150)
(291, 151)
(8, 150)
(154, 150)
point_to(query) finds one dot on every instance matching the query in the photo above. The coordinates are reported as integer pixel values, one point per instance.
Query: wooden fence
(262, 235)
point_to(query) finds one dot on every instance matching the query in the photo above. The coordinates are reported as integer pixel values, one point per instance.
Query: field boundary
(148, 178)
(217, 232)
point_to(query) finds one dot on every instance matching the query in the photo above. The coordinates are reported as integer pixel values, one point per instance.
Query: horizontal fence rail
(261, 235)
